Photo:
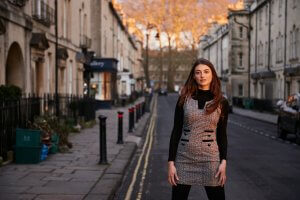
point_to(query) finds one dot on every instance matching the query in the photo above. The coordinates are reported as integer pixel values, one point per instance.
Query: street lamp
(157, 36)
(149, 27)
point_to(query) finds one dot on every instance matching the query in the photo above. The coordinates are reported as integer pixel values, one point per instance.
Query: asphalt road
(259, 166)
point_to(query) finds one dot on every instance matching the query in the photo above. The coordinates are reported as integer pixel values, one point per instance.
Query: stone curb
(111, 180)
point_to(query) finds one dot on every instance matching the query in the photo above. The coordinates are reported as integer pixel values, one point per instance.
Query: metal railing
(42, 12)
(19, 3)
(19, 113)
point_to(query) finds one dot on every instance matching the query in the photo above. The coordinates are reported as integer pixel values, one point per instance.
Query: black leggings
(181, 192)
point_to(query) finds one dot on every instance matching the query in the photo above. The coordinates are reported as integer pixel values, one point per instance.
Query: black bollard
(120, 128)
(133, 118)
(129, 120)
(140, 110)
(136, 113)
(102, 146)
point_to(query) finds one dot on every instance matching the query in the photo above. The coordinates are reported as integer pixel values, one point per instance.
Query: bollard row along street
(78, 174)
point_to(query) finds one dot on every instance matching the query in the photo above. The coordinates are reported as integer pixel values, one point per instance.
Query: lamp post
(161, 59)
(149, 27)
(88, 55)
(56, 62)
(147, 61)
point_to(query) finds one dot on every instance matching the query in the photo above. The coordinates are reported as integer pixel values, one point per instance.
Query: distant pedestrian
(198, 143)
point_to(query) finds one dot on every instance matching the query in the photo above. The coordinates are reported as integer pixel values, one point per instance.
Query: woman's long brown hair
(190, 87)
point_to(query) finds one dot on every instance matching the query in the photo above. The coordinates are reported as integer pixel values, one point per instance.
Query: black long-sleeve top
(202, 96)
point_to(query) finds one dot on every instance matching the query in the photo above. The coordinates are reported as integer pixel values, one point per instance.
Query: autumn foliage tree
(179, 23)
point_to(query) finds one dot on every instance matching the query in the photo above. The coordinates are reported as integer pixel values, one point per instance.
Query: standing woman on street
(198, 144)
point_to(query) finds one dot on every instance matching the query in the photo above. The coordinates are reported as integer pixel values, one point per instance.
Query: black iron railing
(19, 113)
(19, 3)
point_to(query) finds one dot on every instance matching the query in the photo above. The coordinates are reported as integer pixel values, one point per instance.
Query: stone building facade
(111, 40)
(267, 32)
(27, 44)
(275, 48)
(226, 46)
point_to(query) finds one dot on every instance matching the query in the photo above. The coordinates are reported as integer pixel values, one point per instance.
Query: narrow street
(259, 165)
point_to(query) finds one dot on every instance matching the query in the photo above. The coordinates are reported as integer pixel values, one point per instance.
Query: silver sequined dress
(197, 158)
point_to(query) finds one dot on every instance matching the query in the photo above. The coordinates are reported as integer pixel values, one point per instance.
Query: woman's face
(203, 76)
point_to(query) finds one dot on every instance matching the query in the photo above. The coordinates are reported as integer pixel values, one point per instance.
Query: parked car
(162, 91)
(289, 117)
(229, 102)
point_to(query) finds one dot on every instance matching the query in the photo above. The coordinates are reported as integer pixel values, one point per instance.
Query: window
(271, 53)
(279, 40)
(241, 32)
(291, 44)
(272, 12)
(241, 90)
(297, 43)
(260, 53)
(123, 91)
(277, 49)
(241, 60)
(267, 15)
(279, 8)
(70, 78)
(255, 89)
(294, 43)
(104, 91)
(105, 43)
(261, 90)
(266, 53)
(260, 19)
(121, 49)
(49, 64)
(288, 88)
(80, 23)
(85, 24)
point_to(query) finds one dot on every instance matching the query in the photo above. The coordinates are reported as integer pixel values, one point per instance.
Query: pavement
(263, 116)
(77, 174)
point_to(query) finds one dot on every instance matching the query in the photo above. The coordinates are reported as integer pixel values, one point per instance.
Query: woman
(198, 144)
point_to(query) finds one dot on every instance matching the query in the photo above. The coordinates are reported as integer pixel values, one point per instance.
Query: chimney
(247, 4)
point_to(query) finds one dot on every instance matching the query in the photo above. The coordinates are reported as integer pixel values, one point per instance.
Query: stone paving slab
(97, 197)
(17, 196)
(105, 186)
(77, 173)
(267, 117)
(62, 187)
(59, 197)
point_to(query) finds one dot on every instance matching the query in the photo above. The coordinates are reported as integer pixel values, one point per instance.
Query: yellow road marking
(149, 133)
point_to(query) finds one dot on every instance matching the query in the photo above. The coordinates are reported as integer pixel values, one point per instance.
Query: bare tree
(183, 22)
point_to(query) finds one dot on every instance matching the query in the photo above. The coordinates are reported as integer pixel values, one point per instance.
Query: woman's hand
(222, 173)
(172, 173)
